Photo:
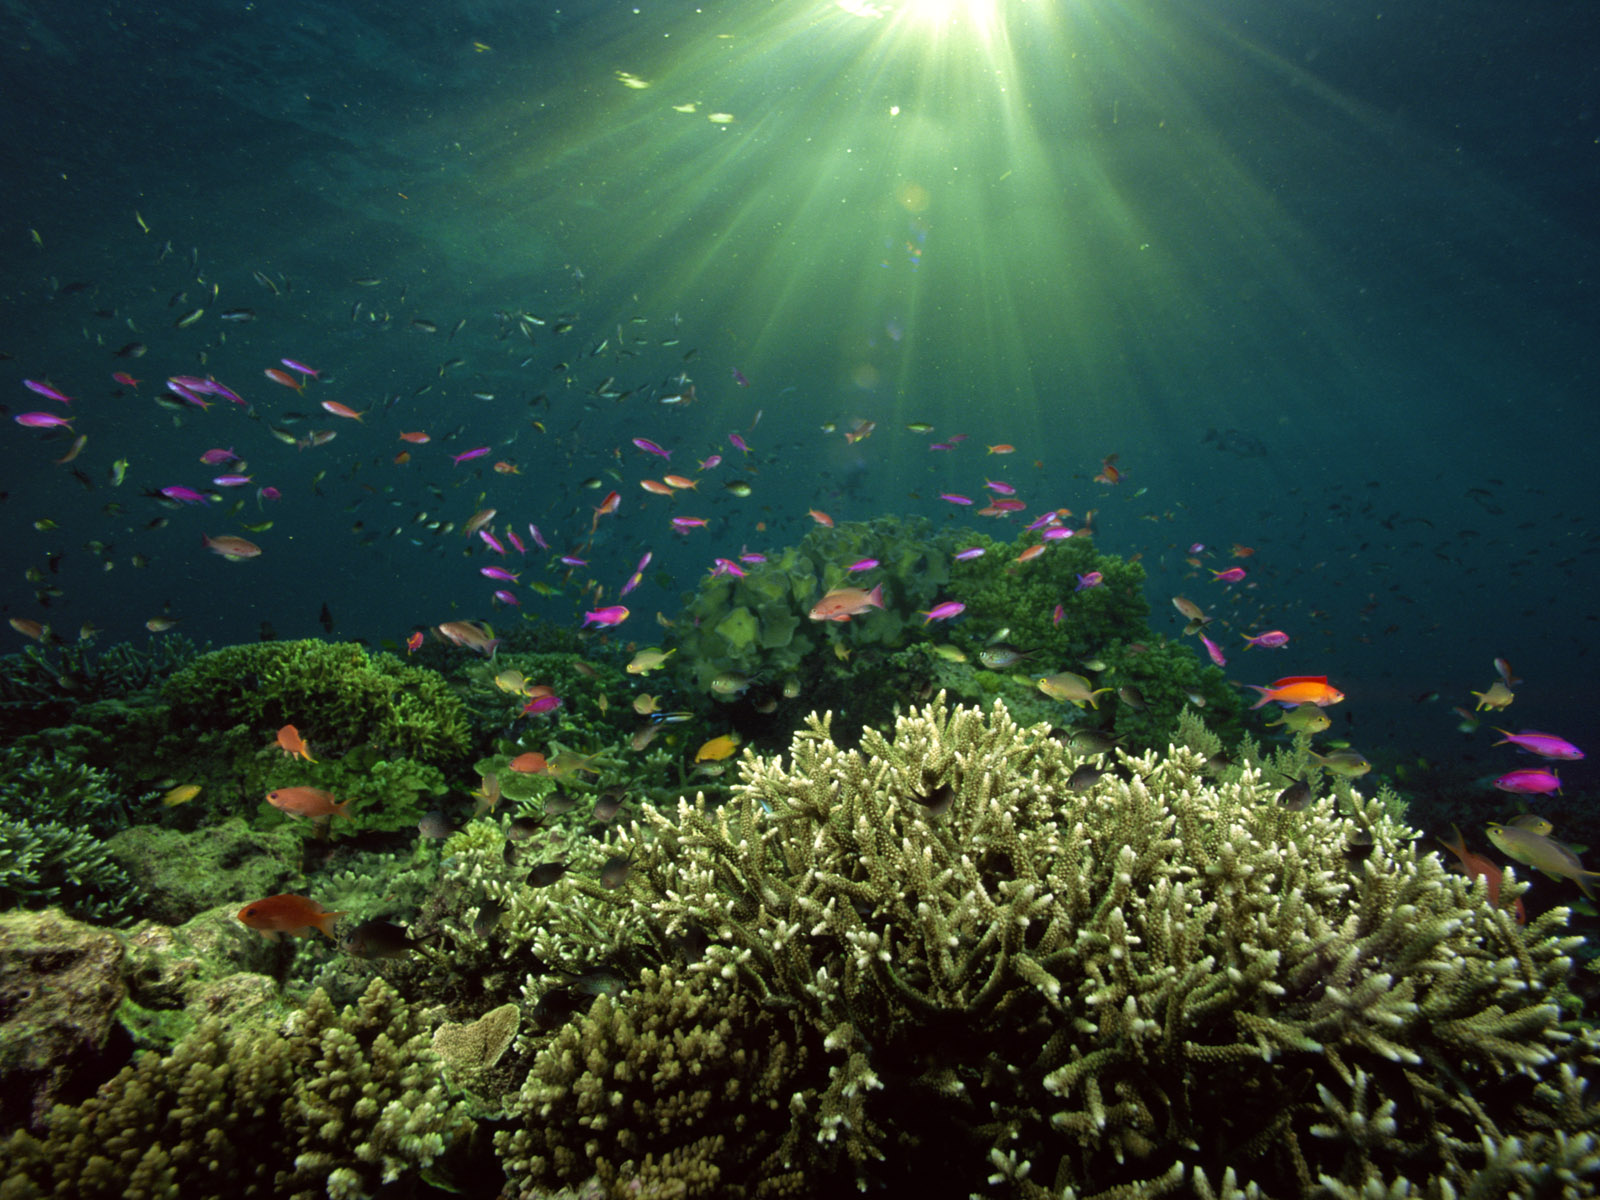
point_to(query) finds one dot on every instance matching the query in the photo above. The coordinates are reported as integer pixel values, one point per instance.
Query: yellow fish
(1498, 696)
(513, 681)
(181, 794)
(645, 705)
(717, 749)
(1064, 685)
(649, 659)
(569, 762)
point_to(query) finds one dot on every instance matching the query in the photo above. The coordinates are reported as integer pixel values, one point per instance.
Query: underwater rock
(60, 985)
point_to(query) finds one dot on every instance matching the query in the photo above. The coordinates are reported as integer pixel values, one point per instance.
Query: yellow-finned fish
(181, 794)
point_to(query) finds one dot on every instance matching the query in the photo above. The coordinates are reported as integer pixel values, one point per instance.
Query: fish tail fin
(342, 810)
(325, 922)
(1266, 695)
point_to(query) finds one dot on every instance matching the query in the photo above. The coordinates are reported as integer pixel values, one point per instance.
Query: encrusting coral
(334, 1106)
(960, 971)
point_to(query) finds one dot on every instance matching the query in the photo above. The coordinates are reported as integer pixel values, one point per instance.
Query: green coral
(55, 814)
(337, 694)
(1044, 988)
(337, 1105)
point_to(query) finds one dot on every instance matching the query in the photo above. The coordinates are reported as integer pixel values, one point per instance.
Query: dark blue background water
(1356, 242)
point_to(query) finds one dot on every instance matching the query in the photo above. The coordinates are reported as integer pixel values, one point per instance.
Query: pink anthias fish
(1214, 650)
(970, 553)
(684, 524)
(738, 443)
(864, 564)
(491, 541)
(1272, 639)
(1231, 575)
(1545, 745)
(301, 367)
(468, 455)
(499, 573)
(725, 566)
(45, 390)
(613, 615)
(998, 488)
(215, 458)
(943, 612)
(184, 495)
(1091, 580)
(1530, 781)
(952, 498)
(43, 420)
(650, 447)
(538, 538)
(507, 598)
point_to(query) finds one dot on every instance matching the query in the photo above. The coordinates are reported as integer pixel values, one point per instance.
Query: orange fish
(507, 468)
(30, 629)
(1031, 552)
(843, 603)
(1475, 864)
(1003, 448)
(678, 481)
(341, 410)
(655, 487)
(283, 377)
(417, 438)
(307, 802)
(402, 458)
(528, 764)
(609, 505)
(290, 742)
(287, 913)
(1292, 690)
(1108, 470)
(821, 518)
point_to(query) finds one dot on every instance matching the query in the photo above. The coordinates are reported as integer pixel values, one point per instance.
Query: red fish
(1109, 473)
(1475, 864)
(417, 438)
(291, 743)
(283, 377)
(307, 802)
(289, 914)
(341, 410)
(843, 603)
(1294, 690)
(125, 379)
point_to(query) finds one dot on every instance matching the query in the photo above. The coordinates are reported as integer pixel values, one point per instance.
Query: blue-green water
(1321, 279)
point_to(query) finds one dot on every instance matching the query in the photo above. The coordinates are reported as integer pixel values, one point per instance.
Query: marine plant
(933, 941)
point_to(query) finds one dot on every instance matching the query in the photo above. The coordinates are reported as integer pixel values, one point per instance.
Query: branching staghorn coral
(335, 1106)
(1155, 982)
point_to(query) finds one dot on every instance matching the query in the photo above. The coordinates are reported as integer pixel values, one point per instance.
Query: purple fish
(479, 452)
(231, 480)
(684, 524)
(1530, 781)
(184, 391)
(573, 561)
(954, 499)
(491, 541)
(1545, 745)
(541, 704)
(45, 390)
(650, 447)
(183, 495)
(943, 612)
(634, 581)
(500, 573)
(1214, 650)
(1093, 579)
(998, 488)
(507, 598)
(39, 420)
(711, 462)
(511, 536)
(268, 493)
(725, 566)
(538, 538)
(1057, 533)
(645, 560)
(751, 558)
(1049, 520)
(1198, 548)
(301, 367)
(1272, 639)
(215, 458)
(865, 564)
(970, 553)
(738, 442)
(213, 388)
(614, 614)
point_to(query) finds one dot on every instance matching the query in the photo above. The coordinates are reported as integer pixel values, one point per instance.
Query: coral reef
(335, 1105)
(1043, 989)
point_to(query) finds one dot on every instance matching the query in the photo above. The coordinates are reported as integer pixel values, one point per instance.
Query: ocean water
(1320, 277)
